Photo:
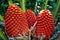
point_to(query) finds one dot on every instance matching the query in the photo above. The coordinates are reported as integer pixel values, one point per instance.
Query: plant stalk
(23, 5)
(35, 7)
(44, 5)
(10, 2)
(46, 2)
(56, 9)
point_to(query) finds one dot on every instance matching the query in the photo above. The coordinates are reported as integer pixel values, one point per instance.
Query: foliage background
(30, 4)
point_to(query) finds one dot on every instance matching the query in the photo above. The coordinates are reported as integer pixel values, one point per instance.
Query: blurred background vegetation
(30, 4)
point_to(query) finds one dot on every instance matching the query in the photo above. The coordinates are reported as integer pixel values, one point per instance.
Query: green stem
(44, 5)
(10, 2)
(23, 5)
(35, 7)
(56, 9)
(46, 2)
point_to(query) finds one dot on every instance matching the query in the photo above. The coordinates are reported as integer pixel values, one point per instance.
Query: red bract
(45, 24)
(31, 17)
(15, 21)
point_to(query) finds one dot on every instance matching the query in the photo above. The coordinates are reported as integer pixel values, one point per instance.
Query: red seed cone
(31, 17)
(45, 24)
(15, 21)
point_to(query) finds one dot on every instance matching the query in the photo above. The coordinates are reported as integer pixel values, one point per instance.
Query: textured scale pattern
(31, 17)
(45, 24)
(15, 21)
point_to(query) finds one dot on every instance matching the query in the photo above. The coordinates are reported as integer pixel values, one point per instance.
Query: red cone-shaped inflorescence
(31, 17)
(15, 21)
(45, 24)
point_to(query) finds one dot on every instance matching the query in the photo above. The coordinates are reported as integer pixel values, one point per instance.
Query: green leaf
(2, 35)
(1, 18)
